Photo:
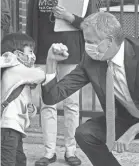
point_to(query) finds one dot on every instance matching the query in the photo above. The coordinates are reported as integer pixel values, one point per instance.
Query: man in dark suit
(104, 44)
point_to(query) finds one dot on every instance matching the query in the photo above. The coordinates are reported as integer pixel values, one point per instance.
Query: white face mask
(92, 51)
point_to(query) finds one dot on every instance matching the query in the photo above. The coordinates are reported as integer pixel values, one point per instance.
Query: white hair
(106, 23)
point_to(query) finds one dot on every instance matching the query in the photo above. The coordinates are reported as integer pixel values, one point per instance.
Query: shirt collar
(118, 59)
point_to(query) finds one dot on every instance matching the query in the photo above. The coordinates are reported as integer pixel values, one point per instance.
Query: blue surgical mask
(92, 51)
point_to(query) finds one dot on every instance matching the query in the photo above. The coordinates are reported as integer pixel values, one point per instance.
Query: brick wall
(22, 15)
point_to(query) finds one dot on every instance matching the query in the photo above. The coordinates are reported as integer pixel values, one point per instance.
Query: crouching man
(111, 64)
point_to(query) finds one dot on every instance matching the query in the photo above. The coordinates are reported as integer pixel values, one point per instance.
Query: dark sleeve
(5, 15)
(76, 23)
(29, 25)
(54, 92)
(92, 8)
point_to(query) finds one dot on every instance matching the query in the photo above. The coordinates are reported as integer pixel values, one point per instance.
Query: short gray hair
(106, 23)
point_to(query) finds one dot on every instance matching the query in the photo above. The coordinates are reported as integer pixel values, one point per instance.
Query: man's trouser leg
(49, 128)
(91, 137)
(71, 112)
(11, 146)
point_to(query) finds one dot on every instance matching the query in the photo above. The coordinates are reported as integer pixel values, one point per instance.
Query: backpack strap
(15, 93)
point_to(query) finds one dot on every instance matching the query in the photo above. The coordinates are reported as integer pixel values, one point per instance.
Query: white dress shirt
(48, 78)
(120, 83)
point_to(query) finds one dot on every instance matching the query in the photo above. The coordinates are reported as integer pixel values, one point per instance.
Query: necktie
(110, 108)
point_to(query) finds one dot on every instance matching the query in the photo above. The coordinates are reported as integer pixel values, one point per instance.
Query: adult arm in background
(54, 92)
(74, 19)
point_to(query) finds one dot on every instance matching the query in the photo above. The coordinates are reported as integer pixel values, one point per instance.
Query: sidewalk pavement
(35, 151)
(34, 147)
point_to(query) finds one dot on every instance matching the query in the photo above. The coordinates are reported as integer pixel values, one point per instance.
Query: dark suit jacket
(95, 72)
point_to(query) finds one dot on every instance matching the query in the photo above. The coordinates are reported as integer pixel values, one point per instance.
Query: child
(17, 63)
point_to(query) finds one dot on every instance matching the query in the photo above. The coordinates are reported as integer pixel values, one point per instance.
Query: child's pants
(12, 148)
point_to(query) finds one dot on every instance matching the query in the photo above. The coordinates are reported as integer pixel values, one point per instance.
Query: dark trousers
(12, 148)
(91, 137)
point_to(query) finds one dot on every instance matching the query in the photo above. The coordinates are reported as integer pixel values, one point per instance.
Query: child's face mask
(27, 57)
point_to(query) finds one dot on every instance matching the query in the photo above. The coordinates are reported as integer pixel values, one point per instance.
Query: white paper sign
(77, 7)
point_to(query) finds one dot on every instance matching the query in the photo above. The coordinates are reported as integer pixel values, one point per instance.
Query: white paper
(85, 6)
(77, 7)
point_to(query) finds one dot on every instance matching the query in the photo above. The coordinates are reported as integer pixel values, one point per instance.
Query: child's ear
(16, 52)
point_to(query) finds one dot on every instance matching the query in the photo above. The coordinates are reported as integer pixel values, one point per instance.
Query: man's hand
(122, 144)
(58, 52)
(62, 13)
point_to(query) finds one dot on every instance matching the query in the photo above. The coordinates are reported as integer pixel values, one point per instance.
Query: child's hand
(31, 110)
(58, 52)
